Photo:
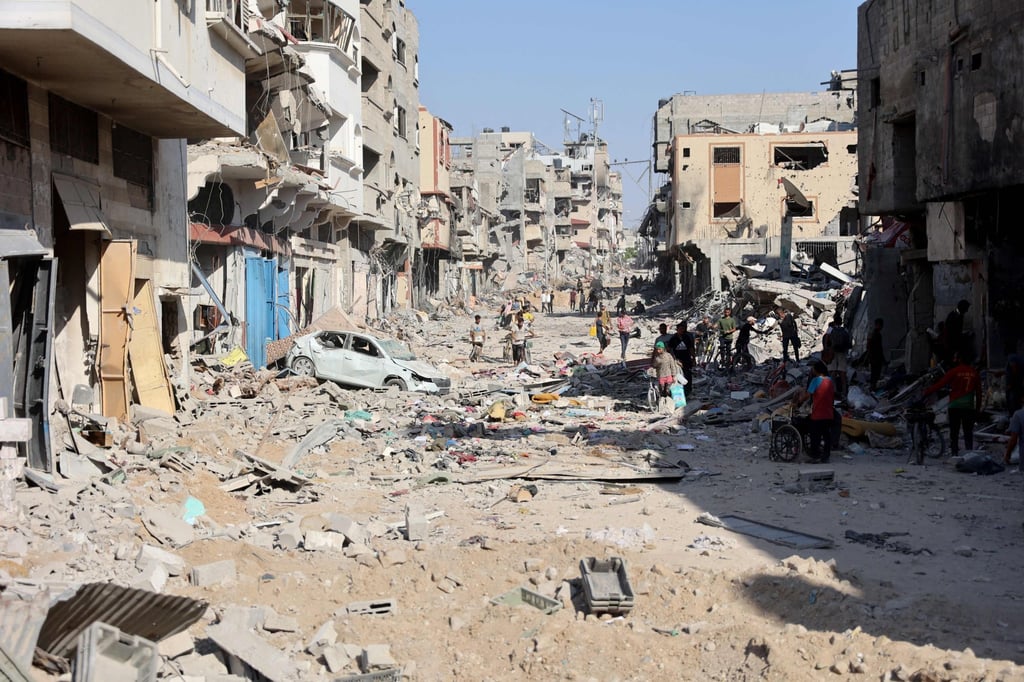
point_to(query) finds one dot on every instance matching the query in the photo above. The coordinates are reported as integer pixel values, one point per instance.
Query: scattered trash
(606, 587)
(523, 595)
(764, 531)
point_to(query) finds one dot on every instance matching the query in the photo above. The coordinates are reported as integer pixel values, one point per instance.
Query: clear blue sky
(487, 64)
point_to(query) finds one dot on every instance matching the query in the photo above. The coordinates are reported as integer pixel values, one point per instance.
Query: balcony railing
(235, 12)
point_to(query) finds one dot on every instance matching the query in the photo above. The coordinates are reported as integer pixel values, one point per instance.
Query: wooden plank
(117, 294)
(149, 373)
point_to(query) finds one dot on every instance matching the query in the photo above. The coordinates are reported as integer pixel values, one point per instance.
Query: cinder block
(324, 637)
(336, 658)
(817, 478)
(340, 523)
(318, 540)
(176, 645)
(153, 578)
(214, 573)
(376, 656)
(148, 554)
(416, 525)
(275, 622)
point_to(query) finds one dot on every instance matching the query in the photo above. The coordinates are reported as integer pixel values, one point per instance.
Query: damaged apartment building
(269, 211)
(93, 221)
(381, 241)
(942, 161)
(753, 178)
(548, 214)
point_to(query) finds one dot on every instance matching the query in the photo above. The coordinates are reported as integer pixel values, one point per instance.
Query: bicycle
(653, 390)
(728, 359)
(476, 351)
(926, 438)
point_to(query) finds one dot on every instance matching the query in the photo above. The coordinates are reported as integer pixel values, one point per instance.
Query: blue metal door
(259, 308)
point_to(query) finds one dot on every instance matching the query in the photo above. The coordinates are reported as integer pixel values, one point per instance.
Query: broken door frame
(117, 301)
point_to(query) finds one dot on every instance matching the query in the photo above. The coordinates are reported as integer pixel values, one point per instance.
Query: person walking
(665, 368)
(520, 333)
(964, 384)
(836, 344)
(876, 353)
(620, 305)
(743, 336)
(682, 346)
(822, 392)
(663, 335)
(572, 300)
(592, 301)
(477, 337)
(790, 335)
(624, 323)
(602, 331)
(955, 341)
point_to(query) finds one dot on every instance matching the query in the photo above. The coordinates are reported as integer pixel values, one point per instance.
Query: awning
(471, 265)
(81, 201)
(14, 243)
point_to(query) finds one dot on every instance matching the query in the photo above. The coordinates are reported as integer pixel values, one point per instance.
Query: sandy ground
(941, 602)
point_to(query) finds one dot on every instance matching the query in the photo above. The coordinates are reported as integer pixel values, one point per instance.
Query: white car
(364, 361)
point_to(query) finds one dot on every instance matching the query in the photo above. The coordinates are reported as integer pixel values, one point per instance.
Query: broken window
(686, 152)
(74, 130)
(214, 204)
(724, 155)
(684, 204)
(975, 61)
(876, 92)
(399, 50)
(795, 210)
(727, 209)
(800, 157)
(321, 22)
(400, 121)
(133, 156)
(14, 112)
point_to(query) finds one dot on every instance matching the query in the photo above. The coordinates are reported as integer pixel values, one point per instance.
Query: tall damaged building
(550, 214)
(942, 161)
(749, 175)
(97, 103)
(269, 211)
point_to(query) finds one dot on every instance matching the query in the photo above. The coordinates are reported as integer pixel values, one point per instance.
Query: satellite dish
(793, 195)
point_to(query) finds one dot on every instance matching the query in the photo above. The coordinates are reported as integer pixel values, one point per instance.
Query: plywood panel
(727, 179)
(149, 372)
(117, 296)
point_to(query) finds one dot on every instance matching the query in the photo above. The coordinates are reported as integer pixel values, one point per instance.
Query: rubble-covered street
(325, 532)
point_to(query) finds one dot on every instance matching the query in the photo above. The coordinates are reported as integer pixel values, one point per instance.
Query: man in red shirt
(964, 401)
(822, 392)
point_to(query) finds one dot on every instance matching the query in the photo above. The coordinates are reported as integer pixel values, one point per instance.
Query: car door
(328, 351)
(364, 362)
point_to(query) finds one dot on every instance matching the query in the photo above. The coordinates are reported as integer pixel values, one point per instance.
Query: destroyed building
(433, 271)
(376, 279)
(561, 212)
(727, 159)
(97, 103)
(268, 211)
(941, 161)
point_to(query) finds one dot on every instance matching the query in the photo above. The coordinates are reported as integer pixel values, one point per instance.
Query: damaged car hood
(420, 368)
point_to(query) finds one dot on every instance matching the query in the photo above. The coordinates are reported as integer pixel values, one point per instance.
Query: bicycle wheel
(787, 444)
(935, 442)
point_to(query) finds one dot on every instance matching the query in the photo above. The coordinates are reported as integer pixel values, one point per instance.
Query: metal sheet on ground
(764, 531)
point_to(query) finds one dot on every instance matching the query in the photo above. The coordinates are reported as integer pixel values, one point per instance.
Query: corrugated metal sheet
(135, 612)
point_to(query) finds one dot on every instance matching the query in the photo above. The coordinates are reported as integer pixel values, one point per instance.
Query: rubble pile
(507, 529)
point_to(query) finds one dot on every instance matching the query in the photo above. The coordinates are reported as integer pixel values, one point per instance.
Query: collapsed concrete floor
(315, 561)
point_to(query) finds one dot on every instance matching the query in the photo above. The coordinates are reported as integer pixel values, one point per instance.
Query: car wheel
(395, 381)
(303, 367)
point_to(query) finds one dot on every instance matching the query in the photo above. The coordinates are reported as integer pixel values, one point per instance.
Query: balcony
(230, 19)
(563, 243)
(104, 58)
(534, 233)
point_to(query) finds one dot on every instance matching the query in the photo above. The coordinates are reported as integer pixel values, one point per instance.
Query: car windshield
(397, 350)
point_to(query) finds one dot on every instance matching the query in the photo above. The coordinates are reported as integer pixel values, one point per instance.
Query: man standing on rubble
(790, 335)
(726, 328)
(477, 337)
(601, 330)
(572, 300)
(520, 333)
(836, 343)
(964, 401)
(682, 346)
(822, 392)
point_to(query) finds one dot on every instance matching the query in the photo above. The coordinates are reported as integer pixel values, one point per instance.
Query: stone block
(275, 622)
(324, 637)
(357, 550)
(214, 573)
(176, 645)
(318, 540)
(153, 578)
(416, 525)
(148, 554)
(289, 537)
(376, 656)
(336, 658)
(393, 557)
(340, 523)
